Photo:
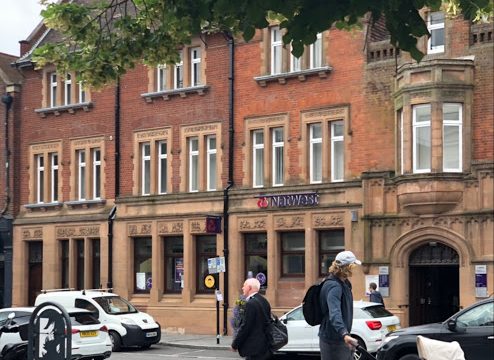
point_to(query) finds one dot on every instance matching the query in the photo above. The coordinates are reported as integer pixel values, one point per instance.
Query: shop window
(256, 257)
(205, 249)
(142, 265)
(64, 263)
(96, 263)
(435, 26)
(35, 272)
(276, 155)
(293, 254)
(174, 263)
(331, 242)
(80, 270)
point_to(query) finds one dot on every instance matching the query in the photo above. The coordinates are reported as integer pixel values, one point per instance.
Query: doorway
(35, 272)
(434, 283)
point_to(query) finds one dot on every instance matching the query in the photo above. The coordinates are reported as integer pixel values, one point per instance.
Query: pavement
(196, 341)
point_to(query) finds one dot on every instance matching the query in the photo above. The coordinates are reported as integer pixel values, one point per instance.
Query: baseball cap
(347, 258)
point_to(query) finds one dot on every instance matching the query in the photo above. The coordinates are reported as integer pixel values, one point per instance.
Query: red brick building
(352, 146)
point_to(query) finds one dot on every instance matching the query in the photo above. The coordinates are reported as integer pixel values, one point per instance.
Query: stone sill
(182, 92)
(302, 75)
(44, 206)
(57, 110)
(84, 203)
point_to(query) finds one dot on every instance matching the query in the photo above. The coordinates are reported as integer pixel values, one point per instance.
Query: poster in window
(179, 269)
(141, 281)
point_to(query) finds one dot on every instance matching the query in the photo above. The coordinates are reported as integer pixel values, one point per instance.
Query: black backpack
(311, 305)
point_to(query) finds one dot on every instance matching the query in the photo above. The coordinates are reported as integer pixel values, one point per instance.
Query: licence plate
(391, 327)
(89, 333)
(151, 334)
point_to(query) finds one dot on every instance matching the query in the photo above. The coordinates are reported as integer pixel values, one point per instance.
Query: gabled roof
(8, 74)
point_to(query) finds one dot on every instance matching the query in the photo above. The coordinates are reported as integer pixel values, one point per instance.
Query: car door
(300, 334)
(475, 332)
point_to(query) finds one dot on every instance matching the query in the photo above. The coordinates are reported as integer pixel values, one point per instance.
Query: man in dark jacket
(335, 341)
(251, 341)
(374, 294)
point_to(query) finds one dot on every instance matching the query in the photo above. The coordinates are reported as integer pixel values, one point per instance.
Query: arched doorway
(434, 283)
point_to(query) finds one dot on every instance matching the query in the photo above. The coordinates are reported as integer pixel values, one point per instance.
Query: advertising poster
(141, 281)
(179, 269)
(481, 281)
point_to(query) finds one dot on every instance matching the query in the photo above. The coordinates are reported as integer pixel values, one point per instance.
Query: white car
(90, 339)
(371, 322)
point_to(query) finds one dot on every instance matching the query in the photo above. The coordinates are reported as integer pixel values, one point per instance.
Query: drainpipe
(5, 219)
(231, 77)
(111, 216)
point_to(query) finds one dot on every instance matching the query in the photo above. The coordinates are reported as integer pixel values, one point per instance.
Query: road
(163, 352)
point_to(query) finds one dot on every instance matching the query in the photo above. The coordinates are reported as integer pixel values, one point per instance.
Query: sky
(18, 18)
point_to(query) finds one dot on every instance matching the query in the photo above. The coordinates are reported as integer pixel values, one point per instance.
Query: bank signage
(288, 200)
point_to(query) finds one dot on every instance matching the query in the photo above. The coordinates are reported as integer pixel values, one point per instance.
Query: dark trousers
(337, 350)
(265, 356)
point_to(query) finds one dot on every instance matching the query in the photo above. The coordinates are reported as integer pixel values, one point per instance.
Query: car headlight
(387, 339)
(127, 321)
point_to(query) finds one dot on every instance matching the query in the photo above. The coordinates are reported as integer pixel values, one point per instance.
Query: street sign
(216, 265)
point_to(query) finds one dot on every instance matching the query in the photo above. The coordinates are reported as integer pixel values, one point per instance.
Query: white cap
(347, 258)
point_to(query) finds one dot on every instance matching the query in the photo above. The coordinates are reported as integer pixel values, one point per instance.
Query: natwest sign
(288, 200)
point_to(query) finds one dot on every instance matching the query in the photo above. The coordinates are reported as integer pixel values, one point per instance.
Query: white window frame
(54, 177)
(82, 93)
(313, 141)
(315, 52)
(81, 173)
(257, 147)
(179, 73)
(195, 66)
(145, 161)
(276, 63)
(40, 178)
(418, 125)
(433, 27)
(278, 162)
(53, 89)
(211, 159)
(295, 63)
(193, 164)
(458, 123)
(402, 144)
(334, 156)
(96, 174)
(161, 73)
(67, 86)
(162, 156)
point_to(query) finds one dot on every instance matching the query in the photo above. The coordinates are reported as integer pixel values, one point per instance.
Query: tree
(102, 39)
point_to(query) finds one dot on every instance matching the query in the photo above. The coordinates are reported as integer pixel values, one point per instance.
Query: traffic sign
(209, 281)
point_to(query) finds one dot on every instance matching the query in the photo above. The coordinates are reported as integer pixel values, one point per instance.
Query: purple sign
(261, 277)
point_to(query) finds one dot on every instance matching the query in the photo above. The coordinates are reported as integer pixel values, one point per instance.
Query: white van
(126, 325)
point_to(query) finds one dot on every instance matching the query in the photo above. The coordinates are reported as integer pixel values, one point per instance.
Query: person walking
(374, 294)
(335, 342)
(251, 341)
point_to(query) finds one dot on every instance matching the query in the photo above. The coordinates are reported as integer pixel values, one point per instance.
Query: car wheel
(410, 357)
(116, 341)
(357, 355)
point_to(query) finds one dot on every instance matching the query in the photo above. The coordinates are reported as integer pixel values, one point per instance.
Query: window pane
(331, 242)
(80, 264)
(193, 164)
(96, 282)
(293, 253)
(451, 112)
(437, 37)
(206, 248)
(436, 18)
(142, 265)
(64, 250)
(423, 147)
(338, 160)
(174, 272)
(451, 147)
(422, 113)
(256, 259)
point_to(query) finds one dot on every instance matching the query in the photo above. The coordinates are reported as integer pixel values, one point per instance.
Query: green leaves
(101, 41)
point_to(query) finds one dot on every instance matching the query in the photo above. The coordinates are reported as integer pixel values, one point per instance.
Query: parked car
(126, 325)
(371, 322)
(90, 339)
(472, 328)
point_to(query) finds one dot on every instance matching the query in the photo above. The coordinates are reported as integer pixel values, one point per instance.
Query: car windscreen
(376, 311)
(115, 305)
(83, 318)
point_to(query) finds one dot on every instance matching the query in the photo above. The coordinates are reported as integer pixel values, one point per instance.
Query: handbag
(276, 332)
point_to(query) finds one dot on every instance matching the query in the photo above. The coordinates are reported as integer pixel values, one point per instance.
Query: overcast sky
(18, 18)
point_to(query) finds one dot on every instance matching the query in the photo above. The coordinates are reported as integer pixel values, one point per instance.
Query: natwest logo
(288, 200)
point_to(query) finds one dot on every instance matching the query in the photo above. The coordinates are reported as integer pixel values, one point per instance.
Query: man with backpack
(336, 300)
(374, 294)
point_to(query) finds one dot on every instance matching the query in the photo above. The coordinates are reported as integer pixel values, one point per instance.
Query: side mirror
(453, 325)
(285, 321)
